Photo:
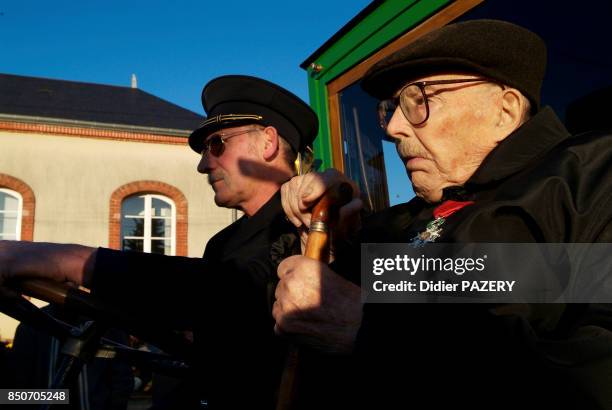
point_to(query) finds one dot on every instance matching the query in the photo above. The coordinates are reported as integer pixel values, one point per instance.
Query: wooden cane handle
(324, 215)
(328, 207)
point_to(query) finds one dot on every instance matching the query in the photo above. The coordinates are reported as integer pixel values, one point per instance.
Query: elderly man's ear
(270, 143)
(512, 110)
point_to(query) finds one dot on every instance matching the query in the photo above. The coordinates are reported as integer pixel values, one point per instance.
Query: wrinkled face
(459, 133)
(231, 173)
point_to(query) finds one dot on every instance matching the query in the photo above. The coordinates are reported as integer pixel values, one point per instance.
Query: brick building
(100, 165)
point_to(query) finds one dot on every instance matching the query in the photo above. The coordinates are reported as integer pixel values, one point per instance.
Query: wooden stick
(324, 215)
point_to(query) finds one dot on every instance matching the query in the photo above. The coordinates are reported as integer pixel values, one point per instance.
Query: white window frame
(19, 211)
(147, 238)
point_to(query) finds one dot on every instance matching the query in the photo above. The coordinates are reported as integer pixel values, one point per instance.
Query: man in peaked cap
(246, 111)
(462, 104)
(248, 146)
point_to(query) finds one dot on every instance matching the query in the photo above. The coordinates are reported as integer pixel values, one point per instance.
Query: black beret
(235, 100)
(495, 49)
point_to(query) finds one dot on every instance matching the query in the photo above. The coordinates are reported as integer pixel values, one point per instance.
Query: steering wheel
(81, 344)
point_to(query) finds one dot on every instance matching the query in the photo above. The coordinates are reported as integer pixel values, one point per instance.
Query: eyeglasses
(215, 144)
(412, 100)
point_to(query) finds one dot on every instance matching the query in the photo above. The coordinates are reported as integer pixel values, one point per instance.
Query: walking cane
(324, 214)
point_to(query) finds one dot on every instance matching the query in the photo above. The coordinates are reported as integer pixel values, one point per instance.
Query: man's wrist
(89, 268)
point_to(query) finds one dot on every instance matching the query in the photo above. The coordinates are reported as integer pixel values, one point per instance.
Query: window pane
(160, 208)
(162, 247)
(161, 228)
(8, 237)
(149, 229)
(8, 224)
(368, 160)
(400, 187)
(132, 227)
(133, 205)
(8, 202)
(133, 245)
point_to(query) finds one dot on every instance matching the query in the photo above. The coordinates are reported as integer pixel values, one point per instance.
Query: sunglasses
(215, 144)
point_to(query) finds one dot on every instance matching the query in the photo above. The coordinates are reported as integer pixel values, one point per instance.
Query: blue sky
(174, 47)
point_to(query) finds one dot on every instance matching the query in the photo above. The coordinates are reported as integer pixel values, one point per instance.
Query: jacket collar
(524, 146)
(265, 214)
(247, 227)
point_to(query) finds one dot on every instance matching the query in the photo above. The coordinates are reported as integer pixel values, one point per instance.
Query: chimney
(134, 81)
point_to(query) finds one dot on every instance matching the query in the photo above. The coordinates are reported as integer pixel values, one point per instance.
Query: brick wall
(81, 132)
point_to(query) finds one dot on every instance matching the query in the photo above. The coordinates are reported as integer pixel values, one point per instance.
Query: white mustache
(405, 151)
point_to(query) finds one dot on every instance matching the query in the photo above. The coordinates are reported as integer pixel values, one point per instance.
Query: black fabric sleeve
(172, 291)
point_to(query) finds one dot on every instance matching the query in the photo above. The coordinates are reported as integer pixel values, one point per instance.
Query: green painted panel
(374, 22)
(390, 20)
(322, 144)
(395, 27)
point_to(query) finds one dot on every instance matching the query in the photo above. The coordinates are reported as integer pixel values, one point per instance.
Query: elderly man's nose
(395, 124)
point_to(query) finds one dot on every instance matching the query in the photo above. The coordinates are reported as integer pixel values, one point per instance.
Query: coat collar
(264, 215)
(246, 226)
(524, 146)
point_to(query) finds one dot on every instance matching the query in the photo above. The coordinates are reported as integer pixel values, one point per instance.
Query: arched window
(160, 190)
(15, 192)
(148, 224)
(11, 206)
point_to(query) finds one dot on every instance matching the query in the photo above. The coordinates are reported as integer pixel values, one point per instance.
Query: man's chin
(221, 201)
(430, 197)
(428, 194)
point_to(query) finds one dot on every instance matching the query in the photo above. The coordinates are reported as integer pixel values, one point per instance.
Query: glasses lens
(214, 145)
(414, 105)
(386, 108)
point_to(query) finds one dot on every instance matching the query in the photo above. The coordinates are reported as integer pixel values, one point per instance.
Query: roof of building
(107, 104)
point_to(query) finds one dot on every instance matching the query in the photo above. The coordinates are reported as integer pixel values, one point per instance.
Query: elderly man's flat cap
(499, 50)
(235, 100)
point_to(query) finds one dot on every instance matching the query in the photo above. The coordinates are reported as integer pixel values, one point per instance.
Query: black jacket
(539, 185)
(225, 297)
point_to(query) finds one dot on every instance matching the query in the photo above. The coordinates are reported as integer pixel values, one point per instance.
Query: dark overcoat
(539, 185)
(225, 297)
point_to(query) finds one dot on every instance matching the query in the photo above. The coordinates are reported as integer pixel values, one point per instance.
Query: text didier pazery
(458, 266)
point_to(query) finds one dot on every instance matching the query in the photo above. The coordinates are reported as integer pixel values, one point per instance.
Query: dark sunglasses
(215, 144)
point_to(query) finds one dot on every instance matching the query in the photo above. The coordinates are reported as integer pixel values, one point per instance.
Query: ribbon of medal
(433, 230)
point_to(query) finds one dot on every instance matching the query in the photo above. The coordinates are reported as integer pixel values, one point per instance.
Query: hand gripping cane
(324, 215)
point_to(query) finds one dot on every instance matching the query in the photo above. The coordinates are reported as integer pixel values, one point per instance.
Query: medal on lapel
(433, 230)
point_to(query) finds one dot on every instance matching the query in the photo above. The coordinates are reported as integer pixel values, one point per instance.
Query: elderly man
(248, 146)
(462, 104)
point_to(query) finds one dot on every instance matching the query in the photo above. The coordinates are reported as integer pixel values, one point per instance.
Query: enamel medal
(433, 230)
(430, 234)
